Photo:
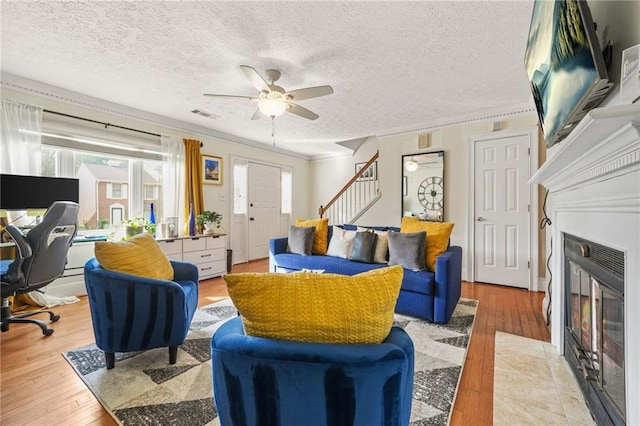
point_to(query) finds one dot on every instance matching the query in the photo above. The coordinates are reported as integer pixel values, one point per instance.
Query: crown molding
(13, 82)
(43, 90)
(494, 114)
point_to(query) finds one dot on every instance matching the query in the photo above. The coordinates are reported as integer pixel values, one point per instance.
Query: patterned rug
(143, 389)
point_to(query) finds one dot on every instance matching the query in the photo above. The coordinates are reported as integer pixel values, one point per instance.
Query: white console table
(208, 252)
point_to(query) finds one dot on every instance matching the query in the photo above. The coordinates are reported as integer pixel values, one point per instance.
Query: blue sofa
(424, 294)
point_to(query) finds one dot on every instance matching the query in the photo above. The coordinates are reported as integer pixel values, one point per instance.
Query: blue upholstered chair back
(132, 313)
(262, 382)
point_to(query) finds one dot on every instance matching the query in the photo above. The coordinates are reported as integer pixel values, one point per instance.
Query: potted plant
(136, 226)
(209, 220)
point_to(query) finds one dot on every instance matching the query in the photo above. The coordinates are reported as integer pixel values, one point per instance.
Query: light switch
(222, 196)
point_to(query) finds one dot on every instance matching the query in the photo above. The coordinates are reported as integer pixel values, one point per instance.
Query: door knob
(251, 218)
(481, 219)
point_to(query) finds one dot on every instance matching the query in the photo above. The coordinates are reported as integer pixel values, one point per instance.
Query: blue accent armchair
(132, 313)
(258, 381)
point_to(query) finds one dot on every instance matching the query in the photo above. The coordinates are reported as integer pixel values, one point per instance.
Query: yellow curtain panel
(193, 180)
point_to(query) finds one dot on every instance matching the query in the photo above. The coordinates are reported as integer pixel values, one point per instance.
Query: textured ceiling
(394, 66)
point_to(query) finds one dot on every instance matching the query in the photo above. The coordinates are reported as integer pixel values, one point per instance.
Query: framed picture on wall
(370, 174)
(211, 169)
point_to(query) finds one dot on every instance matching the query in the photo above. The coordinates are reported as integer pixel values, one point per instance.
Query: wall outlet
(222, 196)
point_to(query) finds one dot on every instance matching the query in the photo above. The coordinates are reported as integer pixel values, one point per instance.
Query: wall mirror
(423, 186)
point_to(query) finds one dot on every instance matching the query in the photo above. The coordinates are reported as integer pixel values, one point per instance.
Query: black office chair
(41, 256)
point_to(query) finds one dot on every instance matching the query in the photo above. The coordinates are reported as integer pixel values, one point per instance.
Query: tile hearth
(533, 385)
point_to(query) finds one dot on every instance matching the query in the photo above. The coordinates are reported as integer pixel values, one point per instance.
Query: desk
(72, 281)
(7, 251)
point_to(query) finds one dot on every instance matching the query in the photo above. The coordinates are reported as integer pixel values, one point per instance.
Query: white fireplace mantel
(593, 178)
(605, 141)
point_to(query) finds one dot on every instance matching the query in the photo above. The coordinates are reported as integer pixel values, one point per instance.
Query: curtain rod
(106, 125)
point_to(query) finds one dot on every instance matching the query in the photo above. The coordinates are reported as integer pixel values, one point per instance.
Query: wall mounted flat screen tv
(19, 192)
(565, 65)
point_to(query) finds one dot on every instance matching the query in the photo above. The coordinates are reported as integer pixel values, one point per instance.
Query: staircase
(354, 199)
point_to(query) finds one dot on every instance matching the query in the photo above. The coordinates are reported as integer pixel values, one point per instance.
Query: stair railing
(354, 198)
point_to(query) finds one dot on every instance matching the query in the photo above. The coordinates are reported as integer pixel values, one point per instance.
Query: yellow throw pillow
(140, 255)
(438, 234)
(321, 237)
(322, 308)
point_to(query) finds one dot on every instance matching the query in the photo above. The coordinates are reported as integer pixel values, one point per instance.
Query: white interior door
(501, 210)
(264, 208)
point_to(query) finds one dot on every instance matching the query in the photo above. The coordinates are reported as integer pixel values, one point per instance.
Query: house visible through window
(108, 192)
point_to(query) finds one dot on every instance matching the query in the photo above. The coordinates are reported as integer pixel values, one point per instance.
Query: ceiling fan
(273, 100)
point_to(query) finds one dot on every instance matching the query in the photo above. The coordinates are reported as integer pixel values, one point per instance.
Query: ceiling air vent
(205, 114)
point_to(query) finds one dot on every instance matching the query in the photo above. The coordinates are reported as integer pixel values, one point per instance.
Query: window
(110, 190)
(240, 189)
(116, 190)
(286, 180)
(149, 192)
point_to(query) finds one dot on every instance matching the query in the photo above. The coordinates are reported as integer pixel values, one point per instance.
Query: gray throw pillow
(408, 250)
(301, 239)
(364, 247)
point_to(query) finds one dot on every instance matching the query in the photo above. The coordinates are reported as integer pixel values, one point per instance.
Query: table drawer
(212, 269)
(170, 247)
(175, 256)
(194, 244)
(198, 256)
(216, 242)
(78, 255)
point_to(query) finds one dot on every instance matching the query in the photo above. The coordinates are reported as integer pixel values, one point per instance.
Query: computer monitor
(20, 192)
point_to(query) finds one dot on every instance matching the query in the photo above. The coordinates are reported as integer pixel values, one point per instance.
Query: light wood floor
(38, 387)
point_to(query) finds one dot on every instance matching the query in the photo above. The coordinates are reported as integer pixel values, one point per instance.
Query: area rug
(143, 389)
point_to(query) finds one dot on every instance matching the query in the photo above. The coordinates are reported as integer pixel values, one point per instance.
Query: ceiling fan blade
(257, 115)
(257, 80)
(231, 96)
(309, 92)
(301, 111)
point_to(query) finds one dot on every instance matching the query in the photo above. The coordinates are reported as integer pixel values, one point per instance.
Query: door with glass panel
(262, 204)
(264, 208)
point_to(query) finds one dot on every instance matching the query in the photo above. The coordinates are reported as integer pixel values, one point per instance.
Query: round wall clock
(430, 193)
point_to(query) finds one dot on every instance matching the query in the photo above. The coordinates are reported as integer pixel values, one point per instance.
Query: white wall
(622, 21)
(211, 146)
(328, 176)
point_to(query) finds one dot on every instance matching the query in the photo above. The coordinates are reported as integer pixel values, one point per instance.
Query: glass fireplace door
(612, 349)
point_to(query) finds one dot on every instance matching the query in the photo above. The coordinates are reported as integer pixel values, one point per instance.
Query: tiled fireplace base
(533, 385)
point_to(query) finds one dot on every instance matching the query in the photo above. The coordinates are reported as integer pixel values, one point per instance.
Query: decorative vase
(192, 221)
(152, 216)
(209, 228)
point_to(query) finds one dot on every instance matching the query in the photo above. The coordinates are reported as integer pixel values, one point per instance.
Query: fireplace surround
(593, 178)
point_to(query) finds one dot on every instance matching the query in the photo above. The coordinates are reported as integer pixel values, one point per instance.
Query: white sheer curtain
(20, 148)
(173, 158)
(21, 154)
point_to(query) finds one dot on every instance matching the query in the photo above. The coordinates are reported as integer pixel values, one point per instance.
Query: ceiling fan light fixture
(272, 107)
(411, 165)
